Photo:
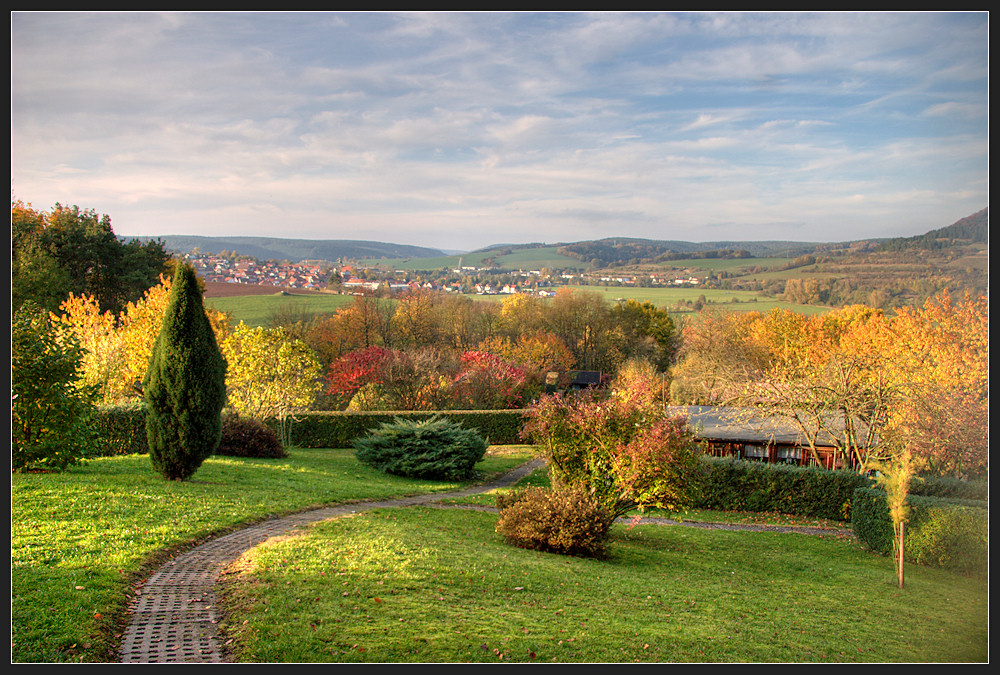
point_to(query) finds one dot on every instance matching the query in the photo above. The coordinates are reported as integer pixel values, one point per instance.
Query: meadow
(259, 310)
(439, 585)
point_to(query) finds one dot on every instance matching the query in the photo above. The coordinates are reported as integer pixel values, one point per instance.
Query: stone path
(174, 615)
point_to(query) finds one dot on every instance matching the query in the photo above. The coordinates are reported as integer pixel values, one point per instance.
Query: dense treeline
(69, 250)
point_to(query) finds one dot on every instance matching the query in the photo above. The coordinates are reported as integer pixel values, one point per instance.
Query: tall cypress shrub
(185, 384)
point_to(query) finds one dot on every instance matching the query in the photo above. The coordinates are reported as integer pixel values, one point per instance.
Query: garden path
(173, 618)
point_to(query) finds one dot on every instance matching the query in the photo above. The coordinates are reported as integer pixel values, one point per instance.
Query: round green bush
(437, 449)
(247, 437)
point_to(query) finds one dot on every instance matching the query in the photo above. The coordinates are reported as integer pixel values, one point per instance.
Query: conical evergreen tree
(185, 384)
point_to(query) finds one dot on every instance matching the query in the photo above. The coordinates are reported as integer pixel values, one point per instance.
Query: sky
(461, 130)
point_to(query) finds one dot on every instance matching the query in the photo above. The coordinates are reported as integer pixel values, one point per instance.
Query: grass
(258, 310)
(669, 297)
(423, 584)
(431, 585)
(81, 538)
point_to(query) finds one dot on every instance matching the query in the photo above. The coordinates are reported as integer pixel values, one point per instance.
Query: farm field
(257, 310)
(723, 299)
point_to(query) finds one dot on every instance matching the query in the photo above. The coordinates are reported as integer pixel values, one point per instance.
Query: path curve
(174, 616)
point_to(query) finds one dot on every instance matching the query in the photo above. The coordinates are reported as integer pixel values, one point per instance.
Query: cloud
(433, 128)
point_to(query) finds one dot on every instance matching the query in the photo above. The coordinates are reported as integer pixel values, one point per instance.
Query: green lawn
(79, 539)
(423, 584)
(431, 585)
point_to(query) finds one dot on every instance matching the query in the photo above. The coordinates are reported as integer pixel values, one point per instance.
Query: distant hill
(294, 250)
(623, 250)
(971, 229)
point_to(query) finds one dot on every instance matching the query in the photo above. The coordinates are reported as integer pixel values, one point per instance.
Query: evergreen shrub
(438, 449)
(563, 520)
(247, 437)
(185, 384)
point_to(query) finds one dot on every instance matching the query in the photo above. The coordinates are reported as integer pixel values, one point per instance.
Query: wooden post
(902, 528)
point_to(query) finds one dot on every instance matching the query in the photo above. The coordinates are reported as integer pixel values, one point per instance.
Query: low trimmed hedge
(949, 533)
(122, 430)
(729, 484)
(338, 429)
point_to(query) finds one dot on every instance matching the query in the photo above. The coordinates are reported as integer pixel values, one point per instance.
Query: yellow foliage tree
(271, 375)
(119, 348)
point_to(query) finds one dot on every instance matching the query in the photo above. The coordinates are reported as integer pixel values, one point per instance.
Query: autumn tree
(271, 375)
(118, 348)
(854, 376)
(488, 382)
(185, 384)
(649, 331)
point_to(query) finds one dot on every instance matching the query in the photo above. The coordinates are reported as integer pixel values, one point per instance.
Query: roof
(746, 425)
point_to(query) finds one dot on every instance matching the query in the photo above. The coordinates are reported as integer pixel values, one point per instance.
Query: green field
(258, 310)
(669, 297)
(734, 266)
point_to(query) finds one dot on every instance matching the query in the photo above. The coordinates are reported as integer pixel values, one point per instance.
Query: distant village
(353, 279)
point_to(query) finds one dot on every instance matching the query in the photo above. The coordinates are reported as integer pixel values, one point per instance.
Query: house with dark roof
(747, 434)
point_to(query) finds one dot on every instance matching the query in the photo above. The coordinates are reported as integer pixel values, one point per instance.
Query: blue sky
(460, 130)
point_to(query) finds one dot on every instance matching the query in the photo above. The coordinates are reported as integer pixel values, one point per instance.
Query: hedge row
(949, 533)
(729, 484)
(124, 432)
(338, 429)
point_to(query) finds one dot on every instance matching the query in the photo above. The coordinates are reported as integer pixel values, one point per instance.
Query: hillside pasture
(517, 259)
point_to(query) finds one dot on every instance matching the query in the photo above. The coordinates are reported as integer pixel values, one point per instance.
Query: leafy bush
(620, 448)
(247, 437)
(946, 486)
(955, 537)
(564, 520)
(948, 533)
(435, 448)
(50, 406)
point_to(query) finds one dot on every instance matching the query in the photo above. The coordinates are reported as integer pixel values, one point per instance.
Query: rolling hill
(294, 250)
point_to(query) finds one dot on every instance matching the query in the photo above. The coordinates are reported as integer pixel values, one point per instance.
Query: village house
(744, 434)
